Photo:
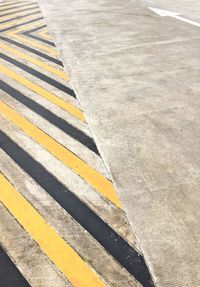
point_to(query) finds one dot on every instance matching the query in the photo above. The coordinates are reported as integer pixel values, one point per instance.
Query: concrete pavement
(137, 77)
(61, 220)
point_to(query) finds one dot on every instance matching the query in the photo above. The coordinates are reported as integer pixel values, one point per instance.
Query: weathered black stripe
(21, 24)
(36, 52)
(13, 7)
(39, 39)
(29, 34)
(39, 75)
(129, 258)
(19, 17)
(22, 10)
(51, 117)
(9, 274)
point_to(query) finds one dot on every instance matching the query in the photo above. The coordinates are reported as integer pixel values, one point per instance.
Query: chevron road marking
(46, 142)
(44, 93)
(45, 34)
(15, 35)
(35, 61)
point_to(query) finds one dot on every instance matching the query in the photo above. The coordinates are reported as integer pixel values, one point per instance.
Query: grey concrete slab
(137, 77)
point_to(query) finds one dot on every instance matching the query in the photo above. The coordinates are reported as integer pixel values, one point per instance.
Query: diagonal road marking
(80, 167)
(68, 107)
(19, 13)
(57, 249)
(16, 23)
(15, 8)
(35, 61)
(45, 34)
(17, 35)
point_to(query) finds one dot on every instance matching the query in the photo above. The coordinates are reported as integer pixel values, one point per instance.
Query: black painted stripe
(129, 258)
(39, 75)
(10, 276)
(19, 17)
(39, 39)
(36, 52)
(29, 34)
(21, 24)
(51, 117)
(18, 6)
(22, 10)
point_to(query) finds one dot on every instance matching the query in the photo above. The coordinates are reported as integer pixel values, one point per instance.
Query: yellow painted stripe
(32, 43)
(14, 9)
(7, 4)
(11, 4)
(29, 26)
(15, 34)
(35, 61)
(90, 175)
(56, 248)
(71, 109)
(18, 14)
(44, 34)
(19, 21)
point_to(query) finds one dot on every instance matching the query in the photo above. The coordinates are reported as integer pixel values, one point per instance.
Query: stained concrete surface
(137, 77)
(37, 126)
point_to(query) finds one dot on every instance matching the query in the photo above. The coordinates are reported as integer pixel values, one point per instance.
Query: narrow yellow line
(56, 248)
(15, 34)
(35, 61)
(44, 34)
(19, 13)
(29, 26)
(14, 9)
(32, 43)
(90, 175)
(8, 4)
(19, 21)
(68, 107)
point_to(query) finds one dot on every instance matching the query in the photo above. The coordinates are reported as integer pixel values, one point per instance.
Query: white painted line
(166, 13)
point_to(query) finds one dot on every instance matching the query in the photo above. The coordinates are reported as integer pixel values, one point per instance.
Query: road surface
(100, 158)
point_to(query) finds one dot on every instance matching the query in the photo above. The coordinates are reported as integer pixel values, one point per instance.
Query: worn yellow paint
(44, 34)
(15, 8)
(16, 35)
(19, 21)
(90, 175)
(6, 4)
(35, 61)
(56, 248)
(10, 4)
(29, 26)
(71, 109)
(18, 14)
